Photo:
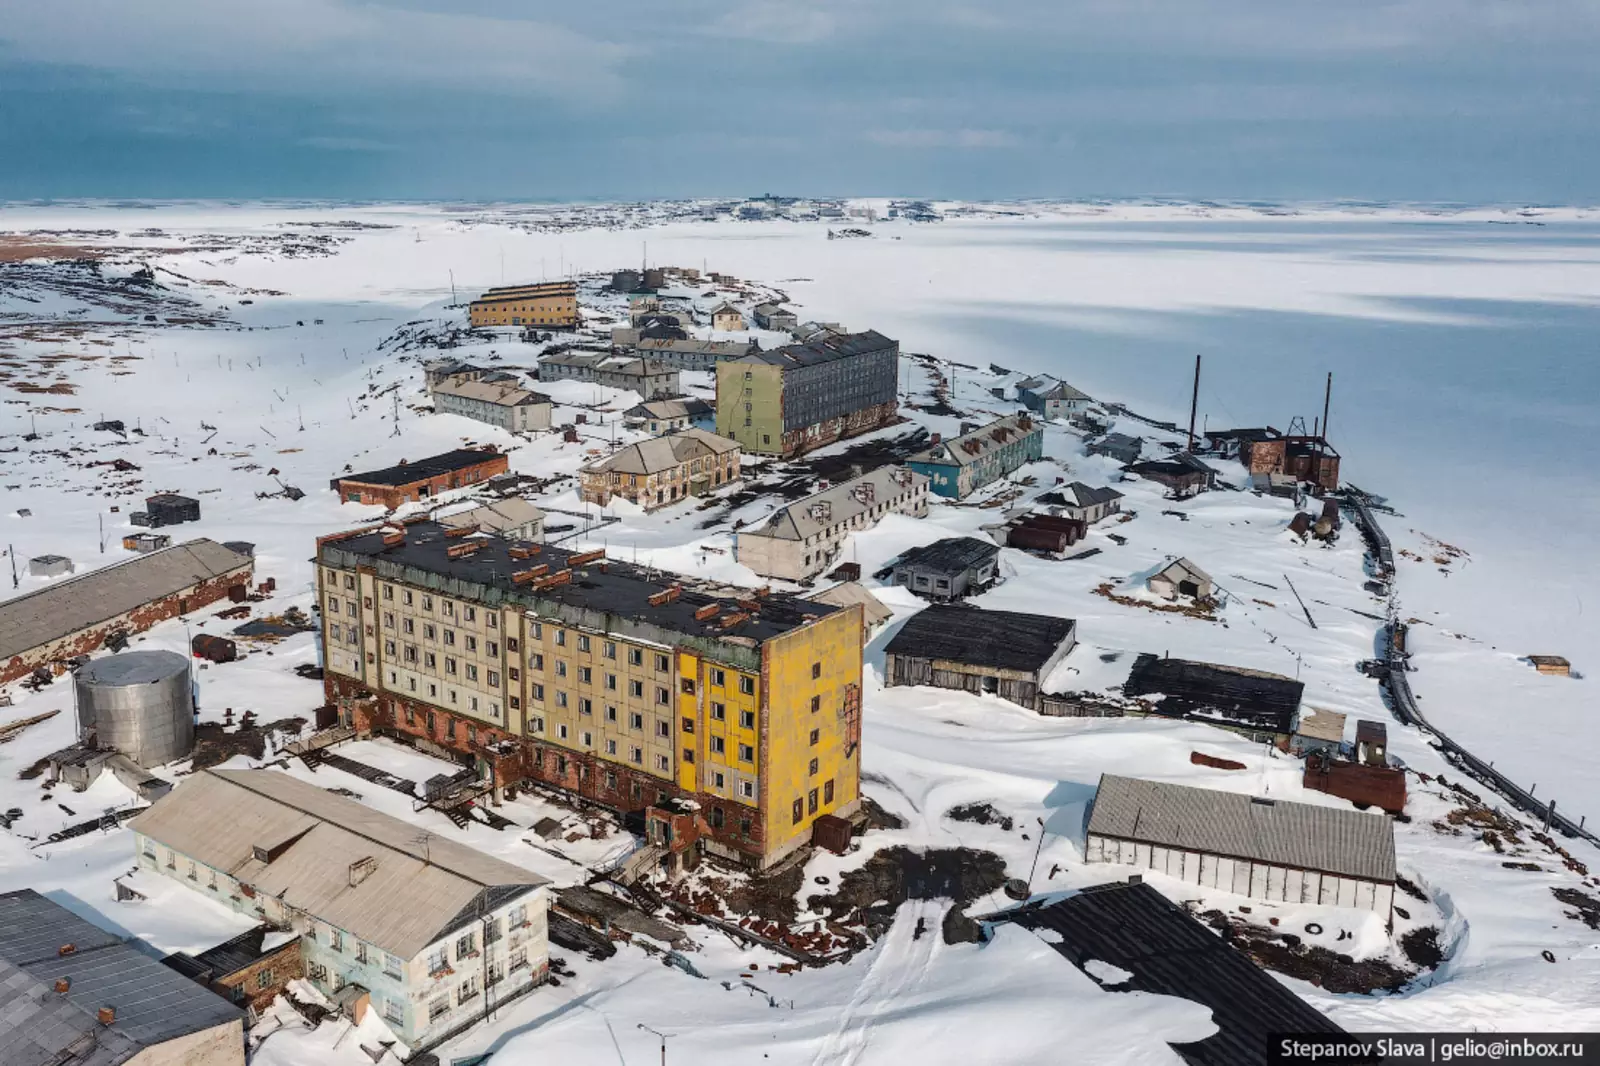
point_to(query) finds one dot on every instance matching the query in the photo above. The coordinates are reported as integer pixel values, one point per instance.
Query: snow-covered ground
(303, 379)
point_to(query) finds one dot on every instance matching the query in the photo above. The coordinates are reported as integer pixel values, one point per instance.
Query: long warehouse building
(75, 616)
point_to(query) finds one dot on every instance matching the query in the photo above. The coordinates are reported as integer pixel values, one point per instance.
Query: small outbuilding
(874, 614)
(1007, 653)
(1263, 705)
(1554, 665)
(169, 509)
(1318, 730)
(1117, 446)
(49, 566)
(1086, 503)
(146, 542)
(949, 569)
(1181, 578)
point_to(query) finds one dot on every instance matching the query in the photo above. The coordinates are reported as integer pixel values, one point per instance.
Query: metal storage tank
(139, 703)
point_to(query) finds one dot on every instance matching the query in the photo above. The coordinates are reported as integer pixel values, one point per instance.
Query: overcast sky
(1453, 100)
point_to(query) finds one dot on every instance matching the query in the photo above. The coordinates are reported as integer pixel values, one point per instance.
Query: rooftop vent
(461, 531)
(1263, 801)
(586, 557)
(666, 596)
(106, 1015)
(62, 985)
(362, 869)
(66, 949)
(523, 551)
(708, 611)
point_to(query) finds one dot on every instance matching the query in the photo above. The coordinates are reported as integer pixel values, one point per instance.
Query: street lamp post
(660, 1036)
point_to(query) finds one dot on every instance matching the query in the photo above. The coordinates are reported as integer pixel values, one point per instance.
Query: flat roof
(422, 469)
(1296, 835)
(1188, 686)
(1004, 640)
(601, 594)
(71, 604)
(153, 1003)
(1138, 930)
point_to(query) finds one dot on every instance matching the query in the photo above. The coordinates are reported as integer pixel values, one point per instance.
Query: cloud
(924, 138)
(310, 46)
(775, 22)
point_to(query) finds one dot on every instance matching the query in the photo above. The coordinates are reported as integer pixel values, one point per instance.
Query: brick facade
(392, 496)
(245, 986)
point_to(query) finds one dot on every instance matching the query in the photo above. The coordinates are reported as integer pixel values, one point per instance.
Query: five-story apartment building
(624, 685)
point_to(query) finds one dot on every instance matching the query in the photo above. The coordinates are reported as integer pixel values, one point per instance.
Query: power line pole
(1194, 401)
(660, 1036)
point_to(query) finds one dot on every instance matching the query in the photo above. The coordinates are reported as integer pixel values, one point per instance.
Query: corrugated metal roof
(664, 453)
(422, 469)
(76, 603)
(1169, 953)
(39, 1027)
(1297, 835)
(421, 882)
(822, 349)
(501, 393)
(973, 446)
(843, 501)
(1002, 640)
(153, 1003)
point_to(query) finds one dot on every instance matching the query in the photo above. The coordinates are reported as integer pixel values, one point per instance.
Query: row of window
(807, 805)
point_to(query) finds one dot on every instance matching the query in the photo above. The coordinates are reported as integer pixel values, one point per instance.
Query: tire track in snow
(901, 964)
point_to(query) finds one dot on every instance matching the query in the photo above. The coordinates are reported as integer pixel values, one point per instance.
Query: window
(491, 649)
(611, 714)
(718, 678)
(471, 642)
(719, 713)
(816, 735)
(450, 726)
(811, 801)
(537, 692)
(611, 682)
(512, 644)
(438, 1009)
(561, 699)
(688, 756)
(447, 607)
(816, 671)
(394, 1011)
(635, 720)
(561, 731)
(583, 642)
(472, 672)
(428, 632)
(491, 931)
(827, 791)
(561, 668)
(449, 664)
(719, 780)
(430, 660)
(585, 675)
(519, 959)
(663, 728)
(611, 747)
(263, 979)
(635, 657)
(587, 738)
(609, 649)
(718, 746)
(561, 638)
(716, 818)
(492, 620)
(747, 685)
(194, 873)
(636, 689)
(747, 789)
(361, 952)
(816, 704)
(663, 697)
(535, 661)
(747, 719)
(538, 631)
(335, 940)
(450, 637)
(466, 945)
(663, 764)
(799, 811)
(494, 679)
(468, 990)
(687, 685)
(469, 613)
(812, 770)
(172, 860)
(747, 753)
(438, 961)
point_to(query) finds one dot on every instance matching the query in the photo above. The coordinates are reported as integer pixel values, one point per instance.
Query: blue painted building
(960, 466)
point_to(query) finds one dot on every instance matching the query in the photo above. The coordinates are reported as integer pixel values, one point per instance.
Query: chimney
(66, 949)
(62, 985)
(106, 1015)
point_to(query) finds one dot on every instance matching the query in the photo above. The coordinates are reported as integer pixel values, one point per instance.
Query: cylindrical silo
(138, 703)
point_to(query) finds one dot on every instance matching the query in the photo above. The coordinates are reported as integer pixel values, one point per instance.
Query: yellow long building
(548, 303)
(631, 688)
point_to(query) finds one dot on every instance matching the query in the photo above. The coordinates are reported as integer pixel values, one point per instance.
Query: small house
(1086, 503)
(146, 542)
(727, 318)
(49, 566)
(1052, 398)
(1117, 446)
(1249, 845)
(1181, 578)
(949, 569)
(1318, 730)
(250, 970)
(514, 518)
(874, 615)
(1184, 474)
(775, 317)
(1006, 653)
(1553, 665)
(668, 416)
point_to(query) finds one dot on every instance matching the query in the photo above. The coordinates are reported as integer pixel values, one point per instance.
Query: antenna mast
(1194, 401)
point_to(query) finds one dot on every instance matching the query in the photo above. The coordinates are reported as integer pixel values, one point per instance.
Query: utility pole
(1194, 402)
(396, 432)
(453, 302)
(660, 1036)
(11, 550)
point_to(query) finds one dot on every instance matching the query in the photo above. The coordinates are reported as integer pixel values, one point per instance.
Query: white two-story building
(430, 933)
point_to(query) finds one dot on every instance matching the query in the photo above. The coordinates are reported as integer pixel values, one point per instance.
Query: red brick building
(421, 480)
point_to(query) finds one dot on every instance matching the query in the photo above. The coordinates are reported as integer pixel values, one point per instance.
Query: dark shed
(1136, 929)
(1224, 695)
(170, 509)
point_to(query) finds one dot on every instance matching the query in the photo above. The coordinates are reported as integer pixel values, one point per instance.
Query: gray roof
(1181, 568)
(663, 453)
(838, 503)
(76, 603)
(970, 447)
(722, 349)
(677, 407)
(952, 555)
(500, 393)
(495, 516)
(38, 1027)
(823, 349)
(1078, 494)
(1002, 640)
(133, 668)
(1298, 835)
(606, 362)
(153, 1003)
(415, 894)
(873, 611)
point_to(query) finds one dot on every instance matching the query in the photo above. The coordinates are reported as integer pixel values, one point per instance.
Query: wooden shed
(1006, 653)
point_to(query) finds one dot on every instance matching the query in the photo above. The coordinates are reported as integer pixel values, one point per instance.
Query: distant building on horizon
(553, 304)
